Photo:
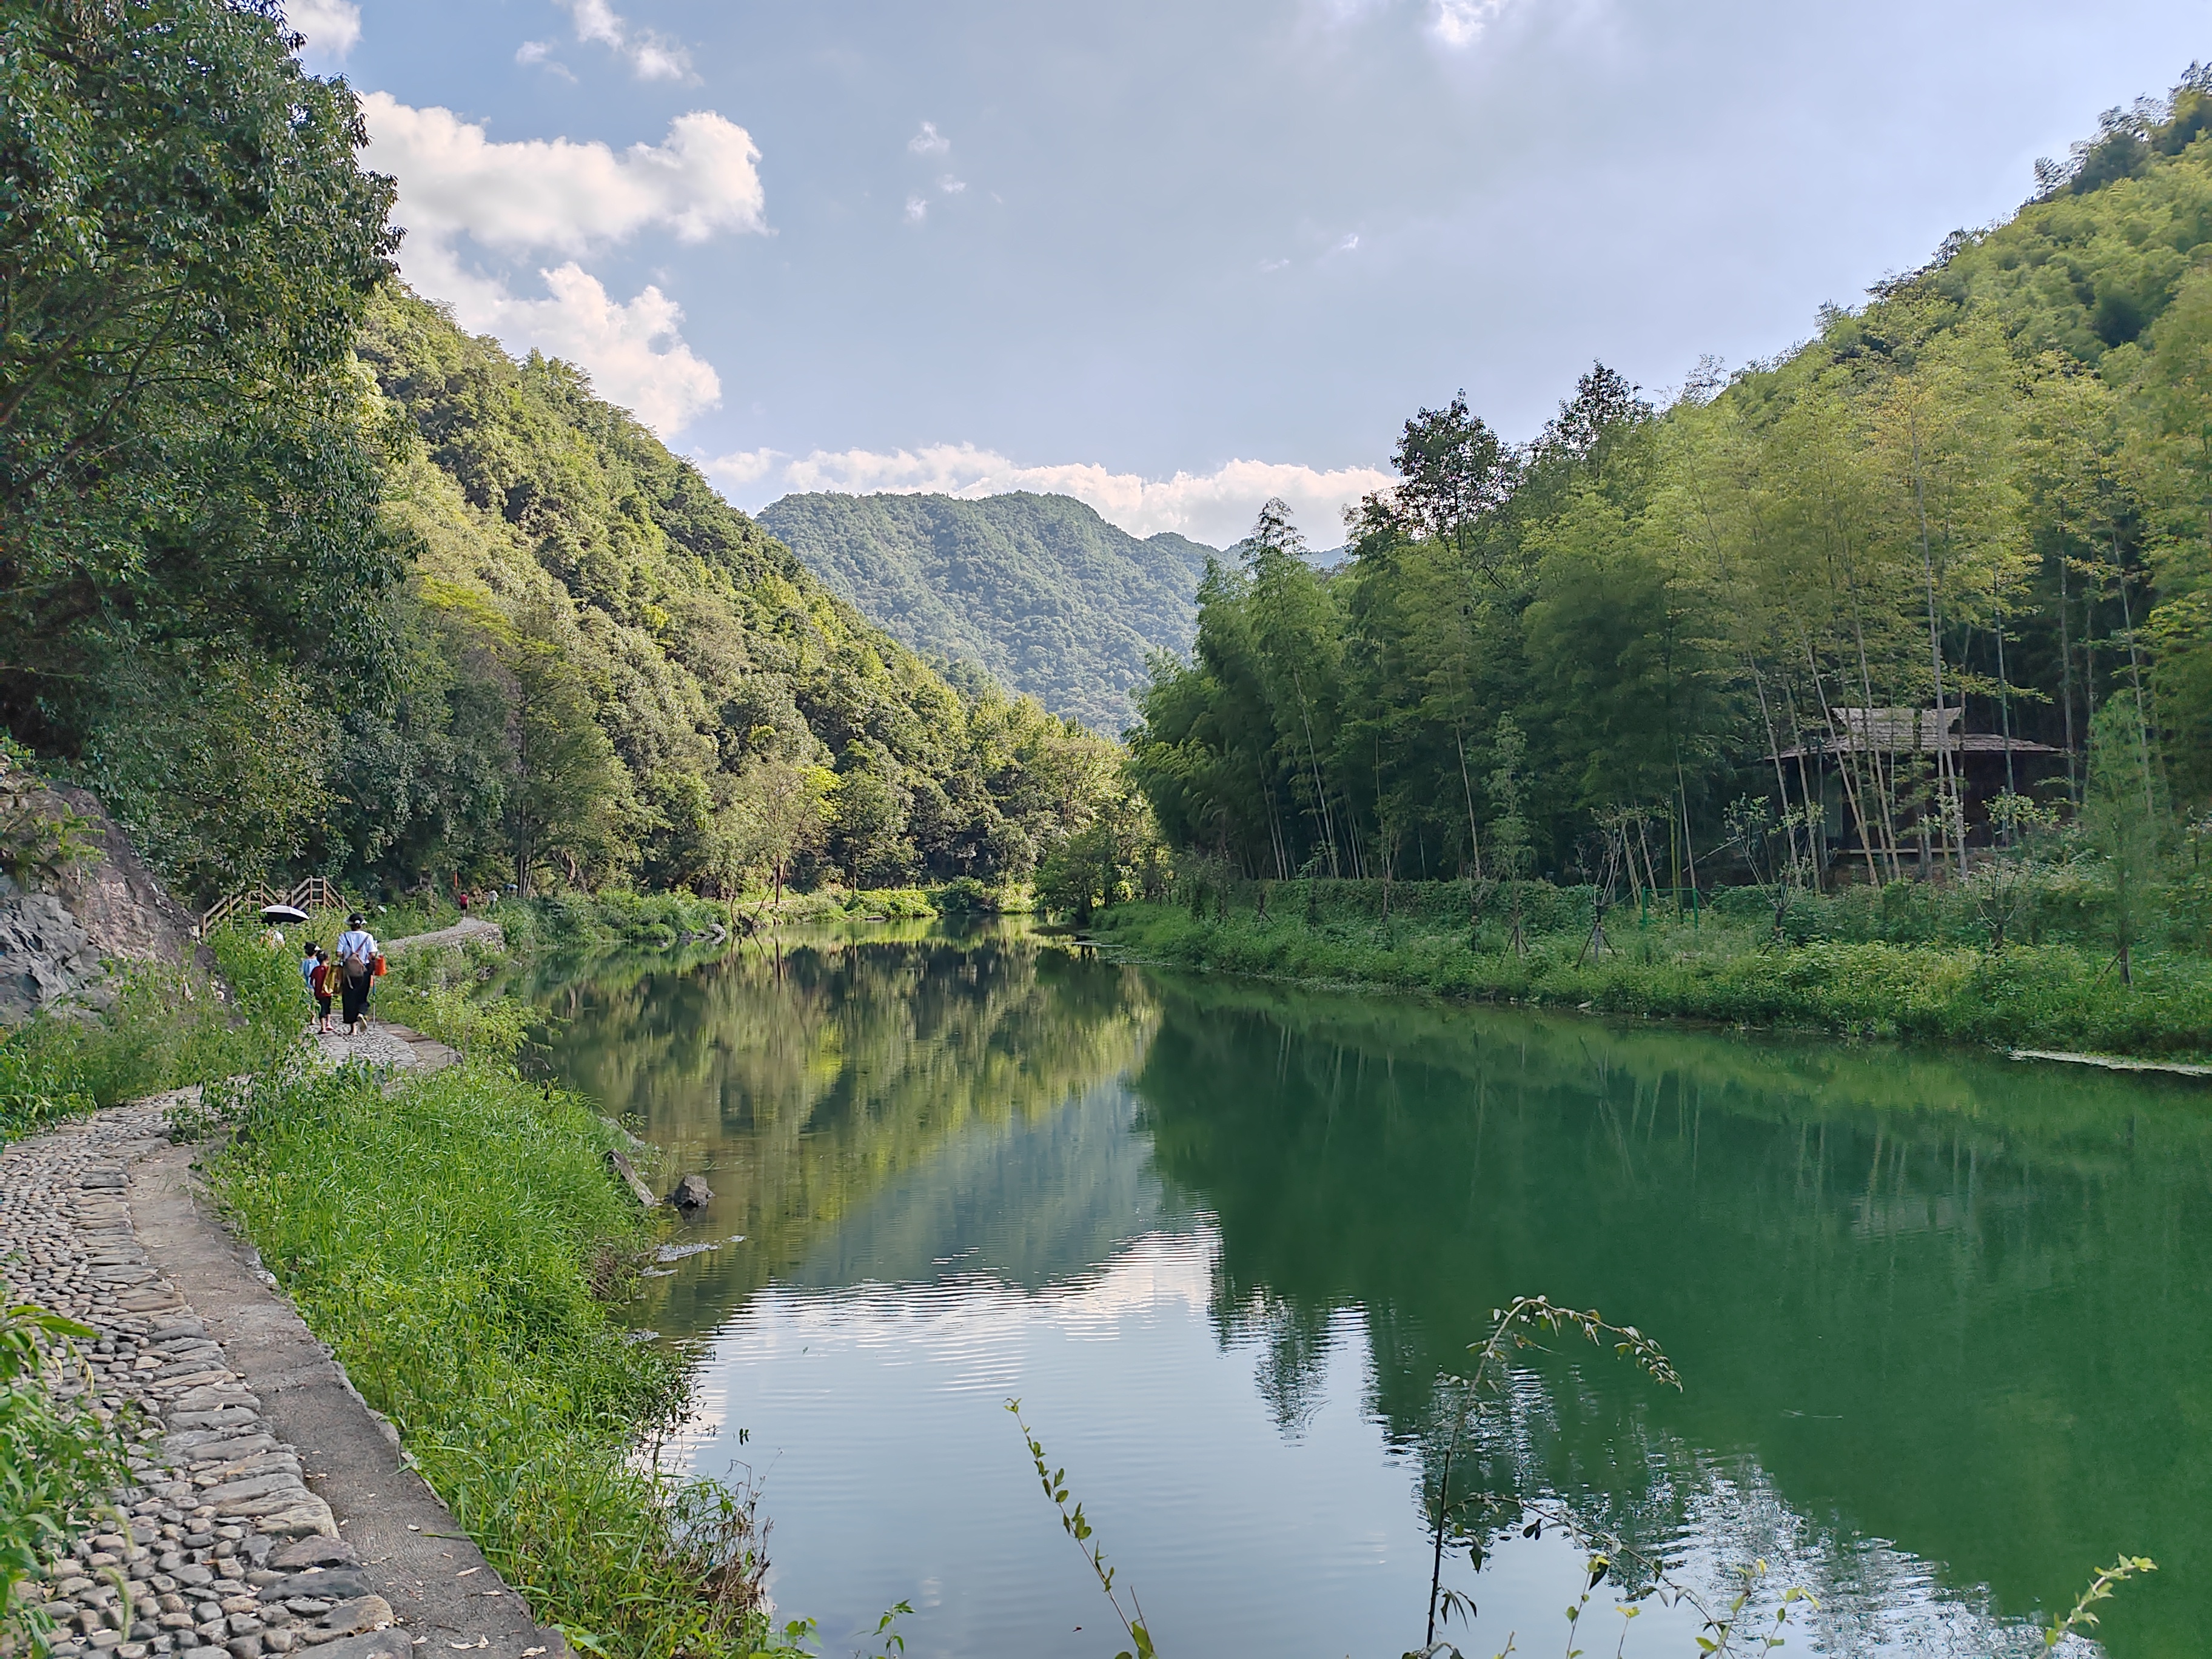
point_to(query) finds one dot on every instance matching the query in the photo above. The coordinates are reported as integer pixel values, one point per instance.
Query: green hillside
(717, 669)
(1987, 489)
(1056, 602)
(304, 578)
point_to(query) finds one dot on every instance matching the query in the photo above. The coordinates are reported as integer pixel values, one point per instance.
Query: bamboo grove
(1983, 502)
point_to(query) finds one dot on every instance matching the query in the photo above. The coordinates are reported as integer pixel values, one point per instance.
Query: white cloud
(743, 466)
(633, 351)
(929, 141)
(332, 28)
(596, 20)
(652, 55)
(540, 53)
(1462, 22)
(567, 198)
(950, 186)
(1349, 244)
(917, 209)
(1216, 508)
(553, 194)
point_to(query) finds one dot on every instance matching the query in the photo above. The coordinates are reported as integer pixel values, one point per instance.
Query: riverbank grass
(455, 1237)
(2049, 996)
(164, 1025)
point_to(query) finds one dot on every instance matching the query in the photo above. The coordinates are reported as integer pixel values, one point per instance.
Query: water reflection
(1943, 1300)
(802, 1080)
(1939, 1317)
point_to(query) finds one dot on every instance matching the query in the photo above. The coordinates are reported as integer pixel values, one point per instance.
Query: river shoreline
(2049, 1001)
(379, 1182)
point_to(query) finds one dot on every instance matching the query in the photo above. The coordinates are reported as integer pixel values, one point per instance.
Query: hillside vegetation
(739, 714)
(301, 578)
(1989, 487)
(1056, 602)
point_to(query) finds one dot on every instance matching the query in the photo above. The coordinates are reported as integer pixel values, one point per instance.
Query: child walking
(318, 984)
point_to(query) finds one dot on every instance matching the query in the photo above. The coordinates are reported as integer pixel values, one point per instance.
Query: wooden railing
(314, 893)
(318, 893)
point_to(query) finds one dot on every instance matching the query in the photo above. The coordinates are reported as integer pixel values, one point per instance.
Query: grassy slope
(2047, 996)
(166, 1028)
(706, 640)
(445, 1235)
(1039, 589)
(454, 1237)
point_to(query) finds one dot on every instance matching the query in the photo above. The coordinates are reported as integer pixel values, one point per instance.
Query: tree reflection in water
(1928, 1308)
(1933, 1298)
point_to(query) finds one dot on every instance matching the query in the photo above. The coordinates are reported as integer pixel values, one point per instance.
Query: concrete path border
(412, 1551)
(106, 1220)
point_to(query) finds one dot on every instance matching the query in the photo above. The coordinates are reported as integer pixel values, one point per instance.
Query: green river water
(1942, 1319)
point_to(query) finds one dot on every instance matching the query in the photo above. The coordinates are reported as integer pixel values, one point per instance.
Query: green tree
(2119, 829)
(868, 808)
(188, 247)
(778, 812)
(571, 804)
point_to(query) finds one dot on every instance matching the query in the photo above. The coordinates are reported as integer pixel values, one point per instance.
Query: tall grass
(437, 990)
(2061, 996)
(451, 1236)
(165, 1025)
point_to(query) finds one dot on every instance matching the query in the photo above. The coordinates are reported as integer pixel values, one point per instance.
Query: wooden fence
(315, 893)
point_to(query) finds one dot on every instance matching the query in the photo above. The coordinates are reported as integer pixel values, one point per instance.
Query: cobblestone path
(225, 1546)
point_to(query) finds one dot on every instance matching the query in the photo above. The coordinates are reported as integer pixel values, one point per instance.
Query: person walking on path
(357, 959)
(321, 985)
(308, 956)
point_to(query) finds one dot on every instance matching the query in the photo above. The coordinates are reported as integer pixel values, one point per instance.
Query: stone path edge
(241, 1399)
(415, 1554)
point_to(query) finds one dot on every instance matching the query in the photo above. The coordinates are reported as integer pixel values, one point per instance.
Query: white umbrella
(282, 912)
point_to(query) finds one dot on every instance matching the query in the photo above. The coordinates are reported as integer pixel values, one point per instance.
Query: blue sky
(1174, 257)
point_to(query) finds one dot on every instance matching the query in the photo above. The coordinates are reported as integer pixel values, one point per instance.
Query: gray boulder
(46, 956)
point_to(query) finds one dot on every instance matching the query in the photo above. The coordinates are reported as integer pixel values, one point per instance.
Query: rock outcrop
(55, 945)
(46, 956)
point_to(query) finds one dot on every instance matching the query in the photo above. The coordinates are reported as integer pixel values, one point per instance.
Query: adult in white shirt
(356, 972)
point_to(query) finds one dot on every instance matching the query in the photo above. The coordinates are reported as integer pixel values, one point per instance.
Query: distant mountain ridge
(1038, 589)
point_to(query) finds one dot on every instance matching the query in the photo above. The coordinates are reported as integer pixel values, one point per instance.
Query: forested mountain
(1992, 485)
(1053, 600)
(738, 711)
(301, 577)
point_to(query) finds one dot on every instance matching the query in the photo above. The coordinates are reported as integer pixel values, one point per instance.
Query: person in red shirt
(318, 983)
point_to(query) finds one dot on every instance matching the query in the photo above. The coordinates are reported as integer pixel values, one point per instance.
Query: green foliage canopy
(1039, 590)
(1988, 490)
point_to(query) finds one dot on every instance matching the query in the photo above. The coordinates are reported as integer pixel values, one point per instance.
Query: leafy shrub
(57, 1461)
(2049, 996)
(40, 838)
(437, 990)
(892, 903)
